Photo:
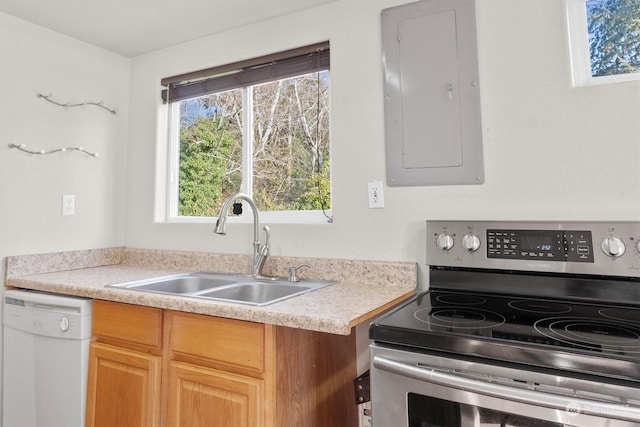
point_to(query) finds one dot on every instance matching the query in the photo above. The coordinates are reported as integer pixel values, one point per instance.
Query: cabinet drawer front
(134, 324)
(226, 342)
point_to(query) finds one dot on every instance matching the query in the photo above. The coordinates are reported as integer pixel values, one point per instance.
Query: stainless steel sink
(258, 293)
(225, 287)
(185, 283)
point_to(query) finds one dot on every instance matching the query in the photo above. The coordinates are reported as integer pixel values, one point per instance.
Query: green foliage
(290, 149)
(206, 152)
(614, 30)
(317, 195)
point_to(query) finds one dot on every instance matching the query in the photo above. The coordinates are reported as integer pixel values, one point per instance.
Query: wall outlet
(376, 195)
(68, 204)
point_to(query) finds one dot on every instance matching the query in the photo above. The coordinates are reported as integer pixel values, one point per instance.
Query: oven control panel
(601, 248)
(545, 245)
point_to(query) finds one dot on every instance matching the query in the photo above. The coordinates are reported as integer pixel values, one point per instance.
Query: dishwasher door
(46, 352)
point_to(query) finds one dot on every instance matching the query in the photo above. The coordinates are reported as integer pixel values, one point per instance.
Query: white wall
(35, 60)
(551, 151)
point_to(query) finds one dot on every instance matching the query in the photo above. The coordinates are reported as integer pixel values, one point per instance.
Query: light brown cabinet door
(200, 396)
(123, 387)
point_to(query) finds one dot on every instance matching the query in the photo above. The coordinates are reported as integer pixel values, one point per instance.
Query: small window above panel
(604, 37)
(433, 130)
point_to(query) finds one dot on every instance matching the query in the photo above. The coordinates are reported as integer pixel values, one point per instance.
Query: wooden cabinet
(125, 366)
(124, 387)
(153, 367)
(216, 371)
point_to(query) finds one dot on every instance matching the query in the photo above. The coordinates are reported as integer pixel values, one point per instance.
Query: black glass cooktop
(546, 332)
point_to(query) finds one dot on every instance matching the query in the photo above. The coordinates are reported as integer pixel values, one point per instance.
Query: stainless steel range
(524, 324)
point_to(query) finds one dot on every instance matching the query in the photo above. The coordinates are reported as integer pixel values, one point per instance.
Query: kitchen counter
(364, 288)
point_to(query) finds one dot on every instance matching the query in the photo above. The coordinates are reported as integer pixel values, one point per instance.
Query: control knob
(444, 242)
(613, 247)
(471, 242)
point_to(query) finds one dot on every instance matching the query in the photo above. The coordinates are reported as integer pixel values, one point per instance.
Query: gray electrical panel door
(433, 131)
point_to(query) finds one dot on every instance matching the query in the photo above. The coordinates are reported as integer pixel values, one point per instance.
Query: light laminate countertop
(364, 288)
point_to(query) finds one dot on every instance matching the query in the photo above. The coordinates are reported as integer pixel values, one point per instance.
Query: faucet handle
(294, 270)
(267, 238)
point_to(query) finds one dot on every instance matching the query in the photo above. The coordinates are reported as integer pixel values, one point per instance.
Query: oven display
(541, 245)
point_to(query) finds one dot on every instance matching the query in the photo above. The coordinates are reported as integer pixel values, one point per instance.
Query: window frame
(173, 150)
(576, 11)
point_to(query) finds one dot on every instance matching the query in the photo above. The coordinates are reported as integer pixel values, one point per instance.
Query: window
(260, 127)
(605, 40)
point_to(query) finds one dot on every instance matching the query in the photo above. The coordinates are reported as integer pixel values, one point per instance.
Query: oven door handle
(570, 404)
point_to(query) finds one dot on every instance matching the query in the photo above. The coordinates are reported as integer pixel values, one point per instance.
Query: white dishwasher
(46, 354)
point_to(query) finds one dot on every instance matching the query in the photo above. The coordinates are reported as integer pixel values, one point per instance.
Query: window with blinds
(259, 126)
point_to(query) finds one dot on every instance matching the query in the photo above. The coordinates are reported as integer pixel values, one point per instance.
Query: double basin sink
(225, 287)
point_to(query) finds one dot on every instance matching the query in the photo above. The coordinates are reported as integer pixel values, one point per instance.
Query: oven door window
(431, 412)
(427, 411)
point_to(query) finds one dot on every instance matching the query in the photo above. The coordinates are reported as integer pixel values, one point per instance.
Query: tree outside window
(258, 126)
(289, 147)
(614, 36)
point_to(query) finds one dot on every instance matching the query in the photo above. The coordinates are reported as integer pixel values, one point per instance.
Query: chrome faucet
(260, 252)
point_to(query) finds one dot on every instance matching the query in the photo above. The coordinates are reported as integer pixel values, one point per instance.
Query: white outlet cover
(68, 204)
(376, 195)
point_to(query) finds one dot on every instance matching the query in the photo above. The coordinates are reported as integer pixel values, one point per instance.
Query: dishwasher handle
(531, 397)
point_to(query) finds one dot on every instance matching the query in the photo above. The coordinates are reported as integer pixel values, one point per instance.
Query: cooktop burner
(603, 335)
(459, 318)
(542, 307)
(461, 299)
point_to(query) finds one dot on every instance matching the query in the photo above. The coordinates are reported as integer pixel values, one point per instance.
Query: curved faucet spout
(260, 252)
(221, 223)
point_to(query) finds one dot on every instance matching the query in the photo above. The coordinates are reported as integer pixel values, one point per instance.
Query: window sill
(281, 217)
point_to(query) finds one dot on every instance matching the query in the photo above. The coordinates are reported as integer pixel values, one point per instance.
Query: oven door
(415, 389)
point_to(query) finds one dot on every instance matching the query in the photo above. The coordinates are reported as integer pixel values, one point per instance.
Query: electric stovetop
(553, 333)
